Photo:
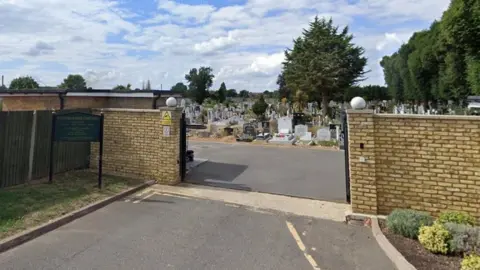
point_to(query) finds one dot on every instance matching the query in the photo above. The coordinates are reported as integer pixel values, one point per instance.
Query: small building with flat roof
(57, 99)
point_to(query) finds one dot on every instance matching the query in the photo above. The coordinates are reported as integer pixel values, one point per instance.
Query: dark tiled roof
(64, 91)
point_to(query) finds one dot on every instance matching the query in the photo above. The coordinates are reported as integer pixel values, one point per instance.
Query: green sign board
(77, 127)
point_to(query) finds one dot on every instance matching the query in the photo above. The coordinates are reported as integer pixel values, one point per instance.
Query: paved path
(168, 232)
(317, 174)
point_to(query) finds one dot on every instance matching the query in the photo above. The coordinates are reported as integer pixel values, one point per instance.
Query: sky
(131, 41)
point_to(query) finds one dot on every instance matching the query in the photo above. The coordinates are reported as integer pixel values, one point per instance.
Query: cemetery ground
(33, 204)
(315, 174)
(157, 230)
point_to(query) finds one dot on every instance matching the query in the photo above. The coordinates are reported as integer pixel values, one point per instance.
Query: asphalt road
(307, 173)
(164, 232)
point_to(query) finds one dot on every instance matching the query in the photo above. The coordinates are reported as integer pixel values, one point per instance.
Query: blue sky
(127, 41)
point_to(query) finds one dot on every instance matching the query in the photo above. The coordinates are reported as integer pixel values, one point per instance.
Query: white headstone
(421, 109)
(306, 137)
(301, 130)
(323, 134)
(285, 123)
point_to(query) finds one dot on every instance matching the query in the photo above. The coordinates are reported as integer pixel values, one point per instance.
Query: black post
(347, 158)
(183, 147)
(52, 141)
(100, 159)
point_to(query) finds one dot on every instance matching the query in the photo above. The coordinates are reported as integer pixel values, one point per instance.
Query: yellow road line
(144, 198)
(143, 192)
(301, 246)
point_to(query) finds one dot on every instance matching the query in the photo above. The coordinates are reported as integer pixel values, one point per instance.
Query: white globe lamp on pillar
(171, 102)
(358, 103)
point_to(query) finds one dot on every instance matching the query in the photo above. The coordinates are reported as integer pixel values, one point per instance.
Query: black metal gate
(183, 148)
(344, 146)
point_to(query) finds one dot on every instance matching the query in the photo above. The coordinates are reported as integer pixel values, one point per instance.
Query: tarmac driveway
(307, 173)
(168, 232)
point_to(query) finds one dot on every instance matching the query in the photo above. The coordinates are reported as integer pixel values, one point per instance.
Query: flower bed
(450, 242)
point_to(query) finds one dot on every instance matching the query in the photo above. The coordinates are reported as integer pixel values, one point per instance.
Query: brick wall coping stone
(416, 116)
(135, 110)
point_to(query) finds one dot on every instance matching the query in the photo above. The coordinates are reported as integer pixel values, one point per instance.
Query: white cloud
(215, 44)
(242, 43)
(197, 12)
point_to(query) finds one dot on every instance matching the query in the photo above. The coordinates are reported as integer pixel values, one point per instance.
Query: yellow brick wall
(134, 145)
(31, 102)
(85, 102)
(428, 163)
(131, 103)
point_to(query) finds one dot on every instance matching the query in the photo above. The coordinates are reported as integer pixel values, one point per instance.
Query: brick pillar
(363, 187)
(135, 145)
(170, 169)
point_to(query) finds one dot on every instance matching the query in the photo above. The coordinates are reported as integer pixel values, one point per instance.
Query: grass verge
(26, 206)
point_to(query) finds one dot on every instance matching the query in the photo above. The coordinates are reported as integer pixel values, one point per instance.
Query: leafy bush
(471, 262)
(465, 239)
(456, 217)
(434, 238)
(407, 222)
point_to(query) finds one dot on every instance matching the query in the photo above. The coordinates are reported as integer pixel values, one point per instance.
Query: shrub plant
(465, 239)
(407, 222)
(434, 238)
(471, 262)
(456, 217)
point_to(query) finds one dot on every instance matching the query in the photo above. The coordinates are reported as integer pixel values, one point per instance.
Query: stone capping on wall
(130, 110)
(416, 116)
(136, 110)
(350, 111)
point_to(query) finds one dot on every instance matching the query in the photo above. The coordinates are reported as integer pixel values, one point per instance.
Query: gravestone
(298, 119)
(323, 134)
(301, 130)
(421, 109)
(306, 137)
(333, 131)
(266, 127)
(249, 130)
(285, 124)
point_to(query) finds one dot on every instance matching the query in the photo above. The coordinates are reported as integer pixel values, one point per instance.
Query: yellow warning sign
(167, 118)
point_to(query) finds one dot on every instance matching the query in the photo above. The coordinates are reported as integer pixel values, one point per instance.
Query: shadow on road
(216, 174)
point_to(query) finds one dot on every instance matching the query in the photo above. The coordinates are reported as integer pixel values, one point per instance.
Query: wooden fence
(25, 148)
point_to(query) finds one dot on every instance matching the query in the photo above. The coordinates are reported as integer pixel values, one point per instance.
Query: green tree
(23, 83)
(200, 80)
(461, 25)
(180, 88)
(123, 87)
(222, 93)
(323, 62)
(461, 29)
(260, 106)
(283, 90)
(74, 82)
(244, 94)
(440, 63)
(231, 93)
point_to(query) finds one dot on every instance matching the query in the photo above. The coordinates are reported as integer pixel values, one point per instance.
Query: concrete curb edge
(392, 253)
(395, 256)
(30, 234)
